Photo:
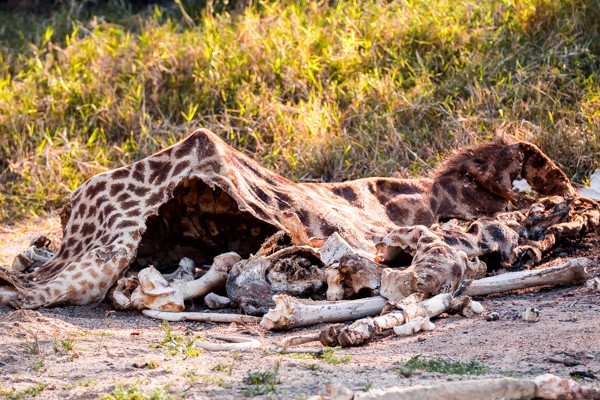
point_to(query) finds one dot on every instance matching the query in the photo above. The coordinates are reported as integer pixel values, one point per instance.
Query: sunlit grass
(317, 91)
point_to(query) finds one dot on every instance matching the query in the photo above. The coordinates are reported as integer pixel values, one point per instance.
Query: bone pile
(418, 273)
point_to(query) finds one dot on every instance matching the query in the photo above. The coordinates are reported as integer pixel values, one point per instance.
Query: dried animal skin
(35, 256)
(7, 294)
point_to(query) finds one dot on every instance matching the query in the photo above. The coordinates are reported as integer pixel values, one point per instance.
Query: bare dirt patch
(87, 352)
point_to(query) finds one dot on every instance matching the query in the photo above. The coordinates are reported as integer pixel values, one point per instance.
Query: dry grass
(317, 91)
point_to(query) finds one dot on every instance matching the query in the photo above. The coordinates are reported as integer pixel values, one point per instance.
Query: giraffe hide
(200, 198)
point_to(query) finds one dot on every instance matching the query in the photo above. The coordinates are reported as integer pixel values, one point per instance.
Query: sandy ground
(88, 352)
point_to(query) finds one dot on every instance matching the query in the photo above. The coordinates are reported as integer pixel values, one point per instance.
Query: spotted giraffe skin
(132, 211)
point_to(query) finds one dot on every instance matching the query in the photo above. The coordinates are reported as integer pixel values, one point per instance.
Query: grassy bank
(317, 91)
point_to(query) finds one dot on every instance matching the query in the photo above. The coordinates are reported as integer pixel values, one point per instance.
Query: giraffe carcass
(200, 198)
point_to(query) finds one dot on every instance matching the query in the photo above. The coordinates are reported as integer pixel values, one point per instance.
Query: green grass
(134, 393)
(441, 366)
(327, 355)
(317, 91)
(30, 392)
(176, 344)
(261, 382)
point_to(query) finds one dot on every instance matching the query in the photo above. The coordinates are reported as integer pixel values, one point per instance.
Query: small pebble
(492, 316)
(531, 314)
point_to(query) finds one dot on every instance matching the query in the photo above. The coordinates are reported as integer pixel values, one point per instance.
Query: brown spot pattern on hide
(88, 228)
(160, 171)
(126, 205)
(346, 192)
(180, 167)
(116, 188)
(95, 189)
(139, 171)
(119, 174)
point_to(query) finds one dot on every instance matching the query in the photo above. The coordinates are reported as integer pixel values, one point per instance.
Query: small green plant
(209, 379)
(329, 356)
(64, 345)
(152, 364)
(446, 367)
(176, 344)
(68, 344)
(224, 367)
(32, 347)
(13, 394)
(261, 382)
(313, 367)
(38, 366)
(86, 382)
(133, 393)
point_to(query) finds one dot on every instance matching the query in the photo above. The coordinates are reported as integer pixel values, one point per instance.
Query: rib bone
(200, 317)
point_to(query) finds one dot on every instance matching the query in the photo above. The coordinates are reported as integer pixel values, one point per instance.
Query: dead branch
(290, 312)
(201, 317)
(571, 272)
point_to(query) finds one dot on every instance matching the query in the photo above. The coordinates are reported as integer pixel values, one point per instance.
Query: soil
(87, 352)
